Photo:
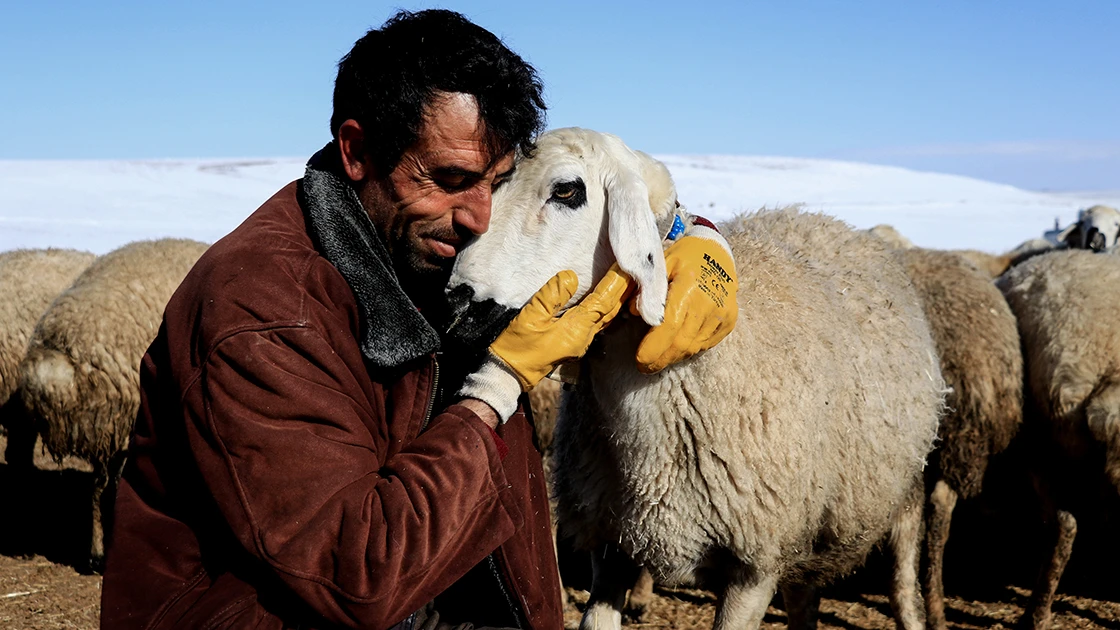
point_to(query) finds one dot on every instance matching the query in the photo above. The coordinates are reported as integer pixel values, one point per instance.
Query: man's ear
(352, 150)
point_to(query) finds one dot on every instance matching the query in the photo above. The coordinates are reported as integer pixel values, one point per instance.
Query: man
(297, 461)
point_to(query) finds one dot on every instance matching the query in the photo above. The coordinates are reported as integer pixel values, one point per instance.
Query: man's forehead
(453, 134)
(475, 159)
(452, 117)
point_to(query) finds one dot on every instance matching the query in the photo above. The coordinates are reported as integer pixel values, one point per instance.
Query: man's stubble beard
(422, 274)
(422, 280)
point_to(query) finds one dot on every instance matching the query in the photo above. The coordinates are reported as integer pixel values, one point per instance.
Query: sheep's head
(582, 201)
(1100, 227)
(1097, 228)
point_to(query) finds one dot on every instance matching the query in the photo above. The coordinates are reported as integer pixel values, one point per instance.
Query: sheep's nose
(458, 301)
(474, 324)
(1096, 240)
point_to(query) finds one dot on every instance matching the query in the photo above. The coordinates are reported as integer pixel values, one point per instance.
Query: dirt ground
(989, 567)
(44, 523)
(685, 609)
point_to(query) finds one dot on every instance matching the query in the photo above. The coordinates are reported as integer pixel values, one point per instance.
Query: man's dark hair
(390, 76)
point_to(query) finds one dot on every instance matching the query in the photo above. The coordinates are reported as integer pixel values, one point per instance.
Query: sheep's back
(29, 280)
(885, 363)
(891, 235)
(977, 342)
(793, 439)
(80, 379)
(1066, 303)
(991, 265)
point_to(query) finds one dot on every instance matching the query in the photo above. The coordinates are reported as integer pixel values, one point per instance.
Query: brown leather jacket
(275, 480)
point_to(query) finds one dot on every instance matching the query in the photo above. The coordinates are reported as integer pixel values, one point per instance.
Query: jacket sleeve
(285, 447)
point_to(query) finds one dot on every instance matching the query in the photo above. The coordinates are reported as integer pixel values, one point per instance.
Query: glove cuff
(494, 384)
(700, 230)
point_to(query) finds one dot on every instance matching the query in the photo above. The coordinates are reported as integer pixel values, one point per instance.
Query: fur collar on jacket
(393, 331)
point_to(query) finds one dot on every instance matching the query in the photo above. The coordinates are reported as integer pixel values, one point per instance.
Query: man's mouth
(445, 248)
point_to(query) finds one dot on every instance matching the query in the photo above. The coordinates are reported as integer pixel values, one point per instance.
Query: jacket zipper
(432, 397)
(409, 623)
(496, 570)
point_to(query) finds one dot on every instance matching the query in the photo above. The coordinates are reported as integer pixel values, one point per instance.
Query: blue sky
(1021, 92)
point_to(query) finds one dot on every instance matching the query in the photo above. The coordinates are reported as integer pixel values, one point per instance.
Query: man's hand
(701, 308)
(540, 338)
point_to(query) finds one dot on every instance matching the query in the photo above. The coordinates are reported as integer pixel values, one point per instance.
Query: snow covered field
(99, 205)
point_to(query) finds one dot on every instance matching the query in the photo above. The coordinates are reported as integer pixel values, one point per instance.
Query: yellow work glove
(539, 338)
(700, 309)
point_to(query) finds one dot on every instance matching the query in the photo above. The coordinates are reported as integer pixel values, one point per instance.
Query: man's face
(438, 196)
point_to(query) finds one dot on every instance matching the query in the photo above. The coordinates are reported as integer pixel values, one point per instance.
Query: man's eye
(452, 182)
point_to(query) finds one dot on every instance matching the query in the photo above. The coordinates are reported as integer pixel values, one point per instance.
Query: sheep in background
(1030, 248)
(545, 402)
(1066, 304)
(891, 235)
(29, 280)
(978, 345)
(1097, 228)
(80, 381)
(779, 457)
(993, 265)
(544, 399)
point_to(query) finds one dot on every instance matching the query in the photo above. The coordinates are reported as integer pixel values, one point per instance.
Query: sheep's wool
(81, 376)
(981, 361)
(791, 445)
(1066, 303)
(29, 280)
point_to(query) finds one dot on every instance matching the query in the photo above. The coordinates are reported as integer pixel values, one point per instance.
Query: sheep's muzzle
(473, 324)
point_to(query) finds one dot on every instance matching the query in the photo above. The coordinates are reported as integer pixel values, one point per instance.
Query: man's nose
(474, 213)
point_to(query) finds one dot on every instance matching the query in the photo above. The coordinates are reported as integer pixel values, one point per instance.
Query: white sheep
(80, 380)
(777, 458)
(1066, 304)
(1097, 228)
(29, 280)
(1031, 247)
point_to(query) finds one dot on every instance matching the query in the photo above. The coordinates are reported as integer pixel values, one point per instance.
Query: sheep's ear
(636, 242)
(662, 192)
(1071, 235)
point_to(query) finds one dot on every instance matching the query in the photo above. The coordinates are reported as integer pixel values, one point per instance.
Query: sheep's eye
(572, 194)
